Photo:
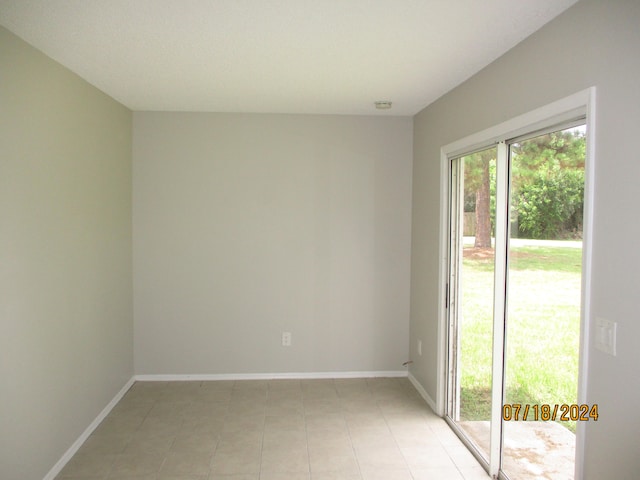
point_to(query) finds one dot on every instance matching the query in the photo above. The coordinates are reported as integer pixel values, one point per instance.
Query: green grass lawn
(542, 331)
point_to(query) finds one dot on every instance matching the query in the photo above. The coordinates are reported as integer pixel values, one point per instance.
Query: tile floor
(343, 429)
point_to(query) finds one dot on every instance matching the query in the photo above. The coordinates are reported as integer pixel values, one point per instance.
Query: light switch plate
(606, 335)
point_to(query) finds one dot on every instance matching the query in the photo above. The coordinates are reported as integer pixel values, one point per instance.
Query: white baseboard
(423, 393)
(266, 376)
(57, 468)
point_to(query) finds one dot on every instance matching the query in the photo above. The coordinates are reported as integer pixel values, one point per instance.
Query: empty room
(302, 240)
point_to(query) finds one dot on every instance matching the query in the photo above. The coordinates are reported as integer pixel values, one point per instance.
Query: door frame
(579, 104)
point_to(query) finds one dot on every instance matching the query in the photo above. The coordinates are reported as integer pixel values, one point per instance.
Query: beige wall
(65, 257)
(593, 43)
(249, 225)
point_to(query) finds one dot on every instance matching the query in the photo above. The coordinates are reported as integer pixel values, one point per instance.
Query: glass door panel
(543, 304)
(471, 296)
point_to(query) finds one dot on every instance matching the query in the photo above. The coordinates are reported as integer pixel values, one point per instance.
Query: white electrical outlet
(286, 339)
(420, 347)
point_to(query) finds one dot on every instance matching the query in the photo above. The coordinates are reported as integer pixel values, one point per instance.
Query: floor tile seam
(455, 464)
(353, 448)
(113, 464)
(395, 441)
(147, 415)
(306, 428)
(306, 434)
(262, 448)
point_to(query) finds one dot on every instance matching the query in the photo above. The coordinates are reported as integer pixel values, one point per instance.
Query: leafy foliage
(548, 183)
(551, 205)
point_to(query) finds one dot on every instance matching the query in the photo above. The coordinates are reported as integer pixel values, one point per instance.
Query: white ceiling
(287, 56)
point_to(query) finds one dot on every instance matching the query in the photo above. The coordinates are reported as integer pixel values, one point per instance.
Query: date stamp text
(514, 412)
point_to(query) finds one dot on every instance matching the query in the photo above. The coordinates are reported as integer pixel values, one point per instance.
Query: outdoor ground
(543, 326)
(541, 362)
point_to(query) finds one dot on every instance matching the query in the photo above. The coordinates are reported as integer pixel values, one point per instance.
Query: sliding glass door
(514, 299)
